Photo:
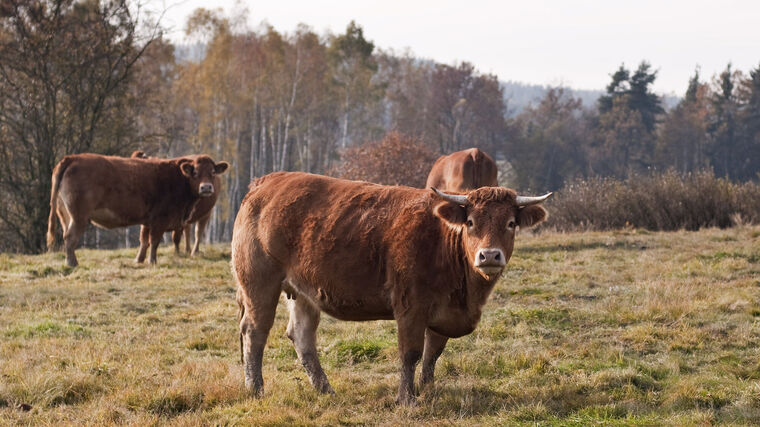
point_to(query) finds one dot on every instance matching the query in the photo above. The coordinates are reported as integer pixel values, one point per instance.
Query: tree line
(89, 75)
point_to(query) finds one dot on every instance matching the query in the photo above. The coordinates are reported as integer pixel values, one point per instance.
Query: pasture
(618, 328)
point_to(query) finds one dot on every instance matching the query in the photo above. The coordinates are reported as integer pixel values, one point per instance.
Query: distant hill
(520, 95)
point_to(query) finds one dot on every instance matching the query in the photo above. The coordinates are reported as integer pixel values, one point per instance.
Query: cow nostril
(482, 256)
(497, 257)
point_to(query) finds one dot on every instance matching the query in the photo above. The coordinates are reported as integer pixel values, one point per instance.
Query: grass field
(618, 328)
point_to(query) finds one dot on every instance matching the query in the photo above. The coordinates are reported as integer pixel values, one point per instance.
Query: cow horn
(453, 198)
(527, 201)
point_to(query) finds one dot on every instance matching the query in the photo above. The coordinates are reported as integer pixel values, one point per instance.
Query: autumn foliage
(397, 159)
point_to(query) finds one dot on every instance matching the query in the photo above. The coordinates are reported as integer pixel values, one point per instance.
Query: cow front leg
(302, 330)
(186, 232)
(434, 345)
(411, 336)
(144, 243)
(200, 230)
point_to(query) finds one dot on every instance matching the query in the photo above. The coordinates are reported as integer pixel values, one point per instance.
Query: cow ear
(530, 216)
(452, 213)
(187, 169)
(221, 167)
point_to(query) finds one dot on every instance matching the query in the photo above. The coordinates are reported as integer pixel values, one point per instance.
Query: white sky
(576, 43)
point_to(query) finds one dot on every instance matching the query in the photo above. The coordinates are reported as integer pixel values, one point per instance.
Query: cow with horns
(359, 251)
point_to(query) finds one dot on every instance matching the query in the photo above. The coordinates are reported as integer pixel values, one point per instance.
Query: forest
(93, 76)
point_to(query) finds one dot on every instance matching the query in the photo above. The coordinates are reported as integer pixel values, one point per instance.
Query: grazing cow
(200, 217)
(361, 251)
(115, 192)
(462, 171)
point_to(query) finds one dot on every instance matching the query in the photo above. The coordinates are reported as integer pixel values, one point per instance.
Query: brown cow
(200, 217)
(115, 192)
(462, 171)
(361, 251)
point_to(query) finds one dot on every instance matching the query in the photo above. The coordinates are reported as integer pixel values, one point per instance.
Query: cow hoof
(255, 391)
(406, 400)
(326, 389)
(72, 264)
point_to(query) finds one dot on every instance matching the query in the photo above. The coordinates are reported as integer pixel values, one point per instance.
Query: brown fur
(200, 216)
(115, 192)
(360, 251)
(462, 171)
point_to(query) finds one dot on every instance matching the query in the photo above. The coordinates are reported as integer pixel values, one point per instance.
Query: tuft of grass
(355, 351)
(46, 328)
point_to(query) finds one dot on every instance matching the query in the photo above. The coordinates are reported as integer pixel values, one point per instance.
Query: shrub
(658, 201)
(397, 159)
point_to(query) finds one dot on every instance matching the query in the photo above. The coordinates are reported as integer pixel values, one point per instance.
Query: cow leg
(177, 238)
(156, 233)
(434, 345)
(63, 216)
(144, 242)
(411, 339)
(186, 232)
(71, 239)
(260, 291)
(200, 229)
(302, 330)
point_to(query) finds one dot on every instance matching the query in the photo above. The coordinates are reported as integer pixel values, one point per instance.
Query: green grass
(615, 328)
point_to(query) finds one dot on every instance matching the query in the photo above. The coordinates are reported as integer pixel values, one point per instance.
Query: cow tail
(241, 312)
(55, 186)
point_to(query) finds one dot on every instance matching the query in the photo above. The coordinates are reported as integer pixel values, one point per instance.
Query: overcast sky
(573, 43)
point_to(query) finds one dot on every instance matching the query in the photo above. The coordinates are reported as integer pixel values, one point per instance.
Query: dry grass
(617, 328)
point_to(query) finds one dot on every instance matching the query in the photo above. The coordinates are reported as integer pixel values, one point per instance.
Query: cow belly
(341, 304)
(106, 218)
(356, 311)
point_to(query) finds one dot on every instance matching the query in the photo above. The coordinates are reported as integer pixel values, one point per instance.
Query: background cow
(200, 216)
(462, 171)
(361, 251)
(115, 192)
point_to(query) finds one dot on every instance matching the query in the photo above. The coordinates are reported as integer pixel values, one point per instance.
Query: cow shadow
(465, 402)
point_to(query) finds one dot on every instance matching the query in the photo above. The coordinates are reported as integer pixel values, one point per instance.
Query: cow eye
(511, 224)
(469, 222)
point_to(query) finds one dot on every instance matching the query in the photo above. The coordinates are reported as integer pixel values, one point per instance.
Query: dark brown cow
(200, 217)
(361, 251)
(462, 171)
(115, 192)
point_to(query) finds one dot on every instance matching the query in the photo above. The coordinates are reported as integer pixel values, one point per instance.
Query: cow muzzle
(490, 261)
(206, 190)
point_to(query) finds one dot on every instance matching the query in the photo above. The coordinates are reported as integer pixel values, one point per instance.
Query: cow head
(488, 218)
(200, 173)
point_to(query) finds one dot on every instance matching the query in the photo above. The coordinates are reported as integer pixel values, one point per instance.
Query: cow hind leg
(156, 234)
(259, 294)
(177, 238)
(302, 330)
(71, 239)
(144, 242)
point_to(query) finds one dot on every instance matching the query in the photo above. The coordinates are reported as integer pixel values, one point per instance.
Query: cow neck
(474, 288)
